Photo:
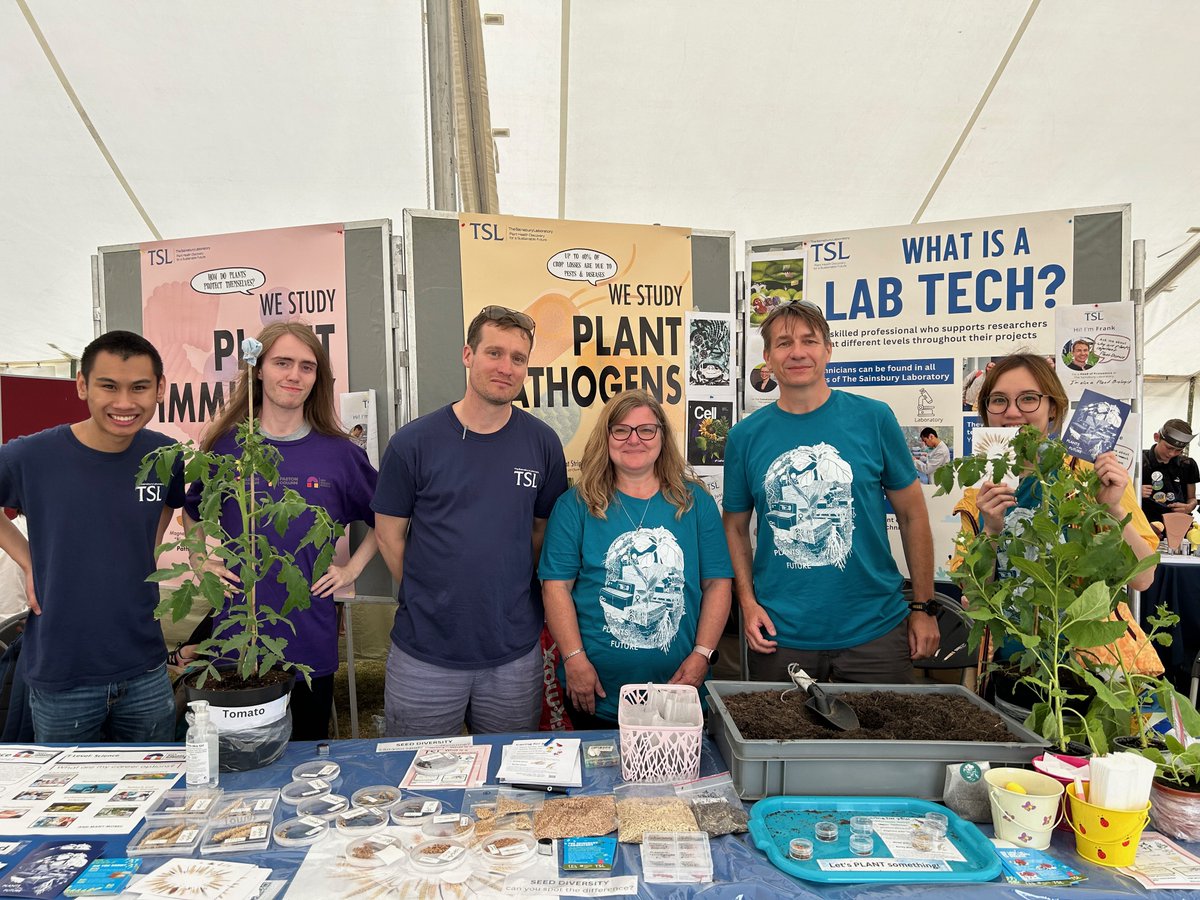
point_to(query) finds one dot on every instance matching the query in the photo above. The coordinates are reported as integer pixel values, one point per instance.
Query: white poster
(1095, 349)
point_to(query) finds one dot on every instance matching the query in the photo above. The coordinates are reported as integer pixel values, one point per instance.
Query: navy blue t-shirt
(465, 597)
(92, 531)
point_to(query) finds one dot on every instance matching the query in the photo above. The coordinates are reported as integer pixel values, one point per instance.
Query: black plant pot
(252, 748)
(1131, 742)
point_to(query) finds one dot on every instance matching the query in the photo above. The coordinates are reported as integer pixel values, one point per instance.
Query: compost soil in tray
(882, 715)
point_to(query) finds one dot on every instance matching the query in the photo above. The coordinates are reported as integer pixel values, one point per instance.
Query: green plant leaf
(1094, 634)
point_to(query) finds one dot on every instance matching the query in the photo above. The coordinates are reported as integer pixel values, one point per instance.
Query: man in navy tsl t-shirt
(93, 654)
(461, 507)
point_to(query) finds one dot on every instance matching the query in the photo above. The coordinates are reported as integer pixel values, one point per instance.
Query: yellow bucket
(1105, 836)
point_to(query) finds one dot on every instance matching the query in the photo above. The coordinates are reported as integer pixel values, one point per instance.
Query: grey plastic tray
(769, 768)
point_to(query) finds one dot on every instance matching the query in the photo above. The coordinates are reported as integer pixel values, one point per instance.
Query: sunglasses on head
(506, 316)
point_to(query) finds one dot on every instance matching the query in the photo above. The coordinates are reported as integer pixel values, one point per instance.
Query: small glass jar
(862, 825)
(862, 844)
(800, 848)
(922, 839)
(936, 824)
(826, 832)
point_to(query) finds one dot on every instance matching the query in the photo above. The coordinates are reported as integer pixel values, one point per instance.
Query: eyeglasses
(623, 432)
(505, 315)
(1028, 401)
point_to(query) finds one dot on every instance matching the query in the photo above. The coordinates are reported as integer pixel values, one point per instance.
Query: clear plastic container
(862, 825)
(328, 806)
(601, 754)
(361, 820)
(676, 858)
(826, 831)
(437, 855)
(174, 837)
(375, 851)
(508, 848)
(415, 811)
(449, 825)
(300, 832)
(237, 837)
(299, 791)
(197, 804)
(239, 805)
(325, 769)
(862, 844)
(379, 796)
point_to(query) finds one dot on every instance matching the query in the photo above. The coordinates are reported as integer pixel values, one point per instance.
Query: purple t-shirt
(465, 598)
(328, 471)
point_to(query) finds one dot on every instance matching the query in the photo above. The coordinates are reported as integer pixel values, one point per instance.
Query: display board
(626, 323)
(916, 313)
(369, 315)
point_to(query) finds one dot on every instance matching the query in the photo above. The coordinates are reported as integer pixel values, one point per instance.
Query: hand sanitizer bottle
(202, 748)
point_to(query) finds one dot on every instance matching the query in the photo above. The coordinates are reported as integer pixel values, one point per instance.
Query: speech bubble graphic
(1112, 347)
(228, 281)
(580, 264)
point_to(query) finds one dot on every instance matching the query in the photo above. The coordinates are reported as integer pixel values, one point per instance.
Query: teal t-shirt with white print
(637, 577)
(823, 566)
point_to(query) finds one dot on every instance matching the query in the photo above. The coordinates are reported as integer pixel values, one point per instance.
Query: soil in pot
(882, 715)
(255, 746)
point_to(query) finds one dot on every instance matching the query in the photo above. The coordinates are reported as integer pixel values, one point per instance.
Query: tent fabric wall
(769, 118)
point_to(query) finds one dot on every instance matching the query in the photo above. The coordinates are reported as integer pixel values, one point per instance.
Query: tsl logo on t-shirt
(150, 493)
(527, 477)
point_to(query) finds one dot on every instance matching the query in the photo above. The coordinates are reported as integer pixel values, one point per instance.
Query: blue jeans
(138, 711)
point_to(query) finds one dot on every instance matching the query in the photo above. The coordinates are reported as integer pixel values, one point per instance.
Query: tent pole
(441, 106)
(1137, 292)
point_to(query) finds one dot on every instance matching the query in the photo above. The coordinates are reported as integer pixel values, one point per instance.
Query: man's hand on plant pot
(923, 635)
(755, 622)
(583, 684)
(994, 501)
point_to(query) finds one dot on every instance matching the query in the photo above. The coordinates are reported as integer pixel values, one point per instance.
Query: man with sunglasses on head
(461, 507)
(1168, 476)
(821, 588)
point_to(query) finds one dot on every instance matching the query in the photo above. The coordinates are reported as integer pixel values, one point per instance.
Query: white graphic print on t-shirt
(642, 598)
(810, 508)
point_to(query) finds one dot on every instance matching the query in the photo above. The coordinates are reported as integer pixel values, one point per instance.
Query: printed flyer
(609, 302)
(88, 791)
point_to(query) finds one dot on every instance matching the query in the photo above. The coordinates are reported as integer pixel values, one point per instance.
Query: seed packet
(104, 877)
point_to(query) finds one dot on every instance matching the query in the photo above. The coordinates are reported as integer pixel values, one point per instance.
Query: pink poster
(202, 295)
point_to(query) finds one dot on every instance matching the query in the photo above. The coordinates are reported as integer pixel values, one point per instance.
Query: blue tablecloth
(741, 872)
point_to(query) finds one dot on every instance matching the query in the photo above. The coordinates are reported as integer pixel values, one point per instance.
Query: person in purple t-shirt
(463, 498)
(294, 400)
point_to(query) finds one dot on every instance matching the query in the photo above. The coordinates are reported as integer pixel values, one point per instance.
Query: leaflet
(550, 762)
(91, 791)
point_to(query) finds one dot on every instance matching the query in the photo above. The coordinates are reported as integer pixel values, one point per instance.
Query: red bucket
(1075, 762)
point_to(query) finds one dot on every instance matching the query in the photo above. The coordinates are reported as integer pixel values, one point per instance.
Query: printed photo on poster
(709, 422)
(1095, 349)
(762, 379)
(358, 418)
(931, 446)
(714, 479)
(710, 353)
(1096, 425)
(776, 278)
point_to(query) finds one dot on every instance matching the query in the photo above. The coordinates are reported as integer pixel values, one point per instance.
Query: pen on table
(543, 788)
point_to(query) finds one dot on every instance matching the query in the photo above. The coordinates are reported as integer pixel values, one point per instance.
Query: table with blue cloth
(1177, 585)
(740, 871)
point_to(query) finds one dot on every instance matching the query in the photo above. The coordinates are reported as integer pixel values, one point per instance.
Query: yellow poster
(609, 302)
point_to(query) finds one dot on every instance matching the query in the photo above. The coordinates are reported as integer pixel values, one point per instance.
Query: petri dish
(300, 831)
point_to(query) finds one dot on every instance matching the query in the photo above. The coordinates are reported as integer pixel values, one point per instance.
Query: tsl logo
(829, 251)
(485, 231)
(160, 257)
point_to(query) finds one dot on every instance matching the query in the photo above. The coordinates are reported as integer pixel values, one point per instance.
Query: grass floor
(368, 685)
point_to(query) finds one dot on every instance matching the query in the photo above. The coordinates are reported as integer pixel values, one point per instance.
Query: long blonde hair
(318, 407)
(597, 479)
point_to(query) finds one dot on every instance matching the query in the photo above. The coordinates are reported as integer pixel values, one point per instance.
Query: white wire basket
(657, 753)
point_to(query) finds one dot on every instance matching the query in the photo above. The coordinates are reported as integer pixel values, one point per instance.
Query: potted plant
(240, 667)
(1064, 568)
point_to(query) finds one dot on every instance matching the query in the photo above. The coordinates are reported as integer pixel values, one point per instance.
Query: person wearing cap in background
(460, 511)
(1168, 477)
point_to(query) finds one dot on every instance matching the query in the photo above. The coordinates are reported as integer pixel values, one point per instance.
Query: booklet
(554, 762)
(1162, 864)
(48, 869)
(1026, 866)
(1095, 425)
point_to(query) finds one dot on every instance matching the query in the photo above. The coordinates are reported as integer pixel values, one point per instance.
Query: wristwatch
(928, 607)
(709, 653)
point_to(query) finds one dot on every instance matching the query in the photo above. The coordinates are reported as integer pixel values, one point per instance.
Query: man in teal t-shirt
(821, 588)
